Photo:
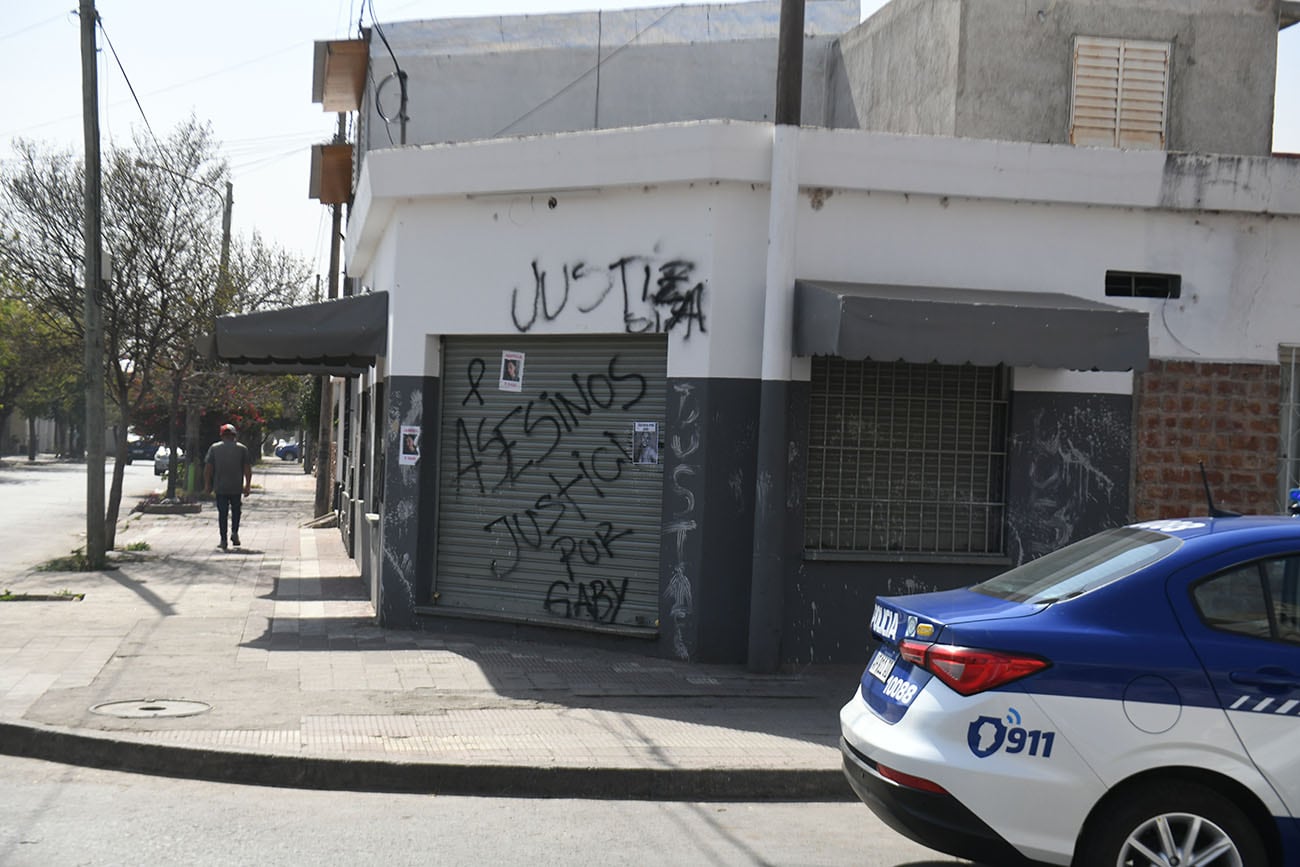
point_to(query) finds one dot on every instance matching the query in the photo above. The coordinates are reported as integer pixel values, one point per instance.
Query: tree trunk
(5, 414)
(31, 439)
(173, 435)
(193, 476)
(119, 472)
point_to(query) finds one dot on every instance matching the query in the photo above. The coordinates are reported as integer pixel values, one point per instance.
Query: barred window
(906, 458)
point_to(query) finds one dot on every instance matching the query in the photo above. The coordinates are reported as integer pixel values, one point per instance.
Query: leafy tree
(36, 363)
(17, 370)
(162, 232)
(59, 388)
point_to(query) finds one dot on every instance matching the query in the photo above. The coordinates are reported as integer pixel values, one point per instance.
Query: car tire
(1113, 837)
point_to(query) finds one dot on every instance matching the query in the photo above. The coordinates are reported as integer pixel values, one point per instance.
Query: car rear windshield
(1086, 565)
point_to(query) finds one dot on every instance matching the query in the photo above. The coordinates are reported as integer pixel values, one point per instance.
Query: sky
(246, 67)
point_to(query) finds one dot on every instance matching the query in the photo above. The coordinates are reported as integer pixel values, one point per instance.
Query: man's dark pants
(228, 503)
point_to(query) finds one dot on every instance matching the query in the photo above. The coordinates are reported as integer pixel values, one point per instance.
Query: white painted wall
(468, 220)
(1238, 300)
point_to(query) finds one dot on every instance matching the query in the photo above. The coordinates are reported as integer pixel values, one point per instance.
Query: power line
(30, 27)
(179, 84)
(129, 86)
(267, 160)
(574, 83)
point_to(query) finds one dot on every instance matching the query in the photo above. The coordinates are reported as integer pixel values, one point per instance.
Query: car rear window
(1086, 565)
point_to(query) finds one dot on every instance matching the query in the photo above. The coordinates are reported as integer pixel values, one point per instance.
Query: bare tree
(162, 235)
(265, 276)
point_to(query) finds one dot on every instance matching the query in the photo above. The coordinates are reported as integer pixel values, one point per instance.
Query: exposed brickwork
(1223, 414)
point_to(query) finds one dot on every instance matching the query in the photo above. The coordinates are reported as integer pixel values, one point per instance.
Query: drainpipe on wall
(771, 479)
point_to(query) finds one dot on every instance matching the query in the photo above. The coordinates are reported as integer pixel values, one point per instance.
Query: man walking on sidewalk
(228, 471)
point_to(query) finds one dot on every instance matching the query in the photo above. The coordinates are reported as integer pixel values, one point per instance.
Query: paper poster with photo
(409, 453)
(645, 442)
(512, 371)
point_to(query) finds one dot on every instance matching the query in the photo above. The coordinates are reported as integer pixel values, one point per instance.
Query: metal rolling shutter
(544, 512)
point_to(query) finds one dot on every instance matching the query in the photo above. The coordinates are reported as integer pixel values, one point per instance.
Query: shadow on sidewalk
(121, 576)
(801, 706)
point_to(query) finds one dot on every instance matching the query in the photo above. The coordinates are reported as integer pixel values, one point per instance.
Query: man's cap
(229, 429)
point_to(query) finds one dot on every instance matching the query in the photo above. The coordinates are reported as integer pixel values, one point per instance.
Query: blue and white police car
(1131, 699)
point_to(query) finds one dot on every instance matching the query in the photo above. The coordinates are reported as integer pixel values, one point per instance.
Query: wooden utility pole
(94, 285)
(324, 468)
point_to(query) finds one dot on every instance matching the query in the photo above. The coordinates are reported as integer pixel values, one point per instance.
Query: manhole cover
(149, 708)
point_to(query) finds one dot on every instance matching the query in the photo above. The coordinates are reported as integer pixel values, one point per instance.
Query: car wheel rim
(1179, 840)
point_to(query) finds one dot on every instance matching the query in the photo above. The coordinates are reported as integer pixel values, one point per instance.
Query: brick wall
(1223, 414)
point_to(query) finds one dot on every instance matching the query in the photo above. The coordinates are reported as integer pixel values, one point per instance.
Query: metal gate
(550, 479)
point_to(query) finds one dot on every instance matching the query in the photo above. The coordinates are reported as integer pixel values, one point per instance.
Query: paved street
(43, 507)
(57, 815)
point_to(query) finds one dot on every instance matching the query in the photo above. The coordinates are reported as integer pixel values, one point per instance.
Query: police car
(1132, 699)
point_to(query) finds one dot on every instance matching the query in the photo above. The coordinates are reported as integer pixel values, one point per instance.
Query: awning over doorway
(342, 337)
(956, 326)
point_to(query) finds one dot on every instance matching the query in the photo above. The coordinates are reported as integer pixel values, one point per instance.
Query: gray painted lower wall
(409, 519)
(1069, 459)
(1068, 476)
(708, 518)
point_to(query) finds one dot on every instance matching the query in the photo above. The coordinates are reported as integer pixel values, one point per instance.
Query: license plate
(882, 664)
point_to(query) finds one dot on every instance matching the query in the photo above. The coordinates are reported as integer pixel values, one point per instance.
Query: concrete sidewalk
(263, 665)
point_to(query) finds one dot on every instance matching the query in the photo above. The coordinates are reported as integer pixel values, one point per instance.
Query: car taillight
(910, 781)
(969, 670)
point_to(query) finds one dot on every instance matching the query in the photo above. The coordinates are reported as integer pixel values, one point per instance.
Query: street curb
(85, 749)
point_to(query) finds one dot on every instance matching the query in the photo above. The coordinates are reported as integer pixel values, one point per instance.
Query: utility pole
(220, 298)
(94, 323)
(772, 478)
(324, 471)
(223, 274)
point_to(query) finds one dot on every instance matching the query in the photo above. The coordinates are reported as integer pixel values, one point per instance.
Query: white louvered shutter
(1121, 93)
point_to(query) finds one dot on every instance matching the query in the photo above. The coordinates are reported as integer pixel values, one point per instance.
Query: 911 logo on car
(988, 734)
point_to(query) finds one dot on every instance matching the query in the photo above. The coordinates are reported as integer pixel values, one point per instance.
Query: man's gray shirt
(228, 460)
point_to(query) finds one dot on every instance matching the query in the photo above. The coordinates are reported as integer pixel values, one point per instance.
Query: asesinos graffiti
(657, 296)
(556, 484)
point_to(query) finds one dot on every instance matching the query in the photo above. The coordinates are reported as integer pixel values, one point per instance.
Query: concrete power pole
(767, 588)
(96, 535)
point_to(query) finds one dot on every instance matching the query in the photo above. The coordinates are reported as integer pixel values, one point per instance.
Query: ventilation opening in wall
(1141, 284)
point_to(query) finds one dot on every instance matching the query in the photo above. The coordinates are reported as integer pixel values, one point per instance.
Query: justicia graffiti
(657, 296)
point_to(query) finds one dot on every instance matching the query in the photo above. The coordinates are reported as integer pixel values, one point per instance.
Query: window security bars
(906, 458)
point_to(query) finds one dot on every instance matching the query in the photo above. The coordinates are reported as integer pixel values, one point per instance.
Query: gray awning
(955, 326)
(342, 337)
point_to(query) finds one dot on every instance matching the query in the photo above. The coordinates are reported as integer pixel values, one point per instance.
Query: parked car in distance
(162, 458)
(140, 449)
(1132, 699)
(288, 451)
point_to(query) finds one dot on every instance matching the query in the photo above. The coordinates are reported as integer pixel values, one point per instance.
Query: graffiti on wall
(657, 296)
(401, 522)
(532, 444)
(685, 443)
(1068, 488)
